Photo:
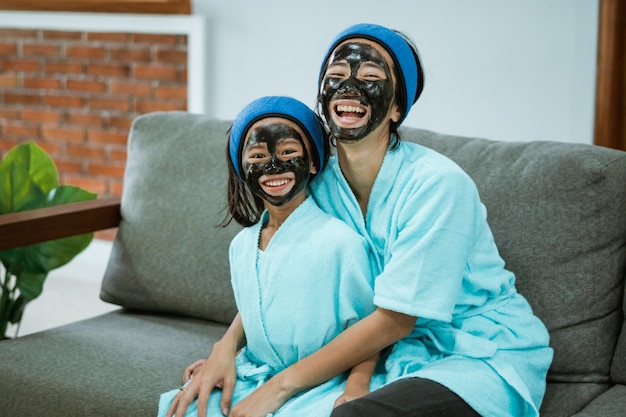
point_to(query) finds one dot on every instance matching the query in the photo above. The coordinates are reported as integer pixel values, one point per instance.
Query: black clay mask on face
(271, 144)
(375, 94)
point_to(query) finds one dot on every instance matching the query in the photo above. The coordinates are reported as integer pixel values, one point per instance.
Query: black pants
(412, 397)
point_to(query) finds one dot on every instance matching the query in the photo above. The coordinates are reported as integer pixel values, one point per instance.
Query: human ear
(313, 168)
(395, 113)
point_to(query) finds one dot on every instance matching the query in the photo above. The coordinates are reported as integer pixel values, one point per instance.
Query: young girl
(300, 276)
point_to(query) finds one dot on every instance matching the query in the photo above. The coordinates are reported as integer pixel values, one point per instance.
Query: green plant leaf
(16, 312)
(27, 174)
(30, 285)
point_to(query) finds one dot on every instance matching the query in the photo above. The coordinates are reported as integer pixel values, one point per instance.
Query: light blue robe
(311, 282)
(428, 229)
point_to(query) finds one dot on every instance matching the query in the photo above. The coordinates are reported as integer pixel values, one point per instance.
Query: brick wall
(76, 93)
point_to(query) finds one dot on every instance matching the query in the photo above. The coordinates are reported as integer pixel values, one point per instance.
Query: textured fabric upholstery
(169, 255)
(110, 366)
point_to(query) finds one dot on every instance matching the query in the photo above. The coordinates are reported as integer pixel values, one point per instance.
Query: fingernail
(225, 411)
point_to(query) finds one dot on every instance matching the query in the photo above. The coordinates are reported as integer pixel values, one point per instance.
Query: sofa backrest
(169, 255)
(557, 210)
(558, 214)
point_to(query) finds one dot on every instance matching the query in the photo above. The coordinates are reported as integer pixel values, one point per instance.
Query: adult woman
(476, 338)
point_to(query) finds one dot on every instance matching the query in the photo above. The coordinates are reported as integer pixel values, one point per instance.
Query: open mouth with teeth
(350, 115)
(274, 186)
(353, 112)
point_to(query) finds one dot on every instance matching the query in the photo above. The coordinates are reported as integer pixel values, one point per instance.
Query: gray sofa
(558, 212)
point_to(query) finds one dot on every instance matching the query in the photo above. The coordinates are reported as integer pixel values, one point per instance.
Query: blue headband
(275, 106)
(401, 52)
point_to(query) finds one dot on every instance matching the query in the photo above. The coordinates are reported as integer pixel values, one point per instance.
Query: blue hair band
(400, 50)
(275, 106)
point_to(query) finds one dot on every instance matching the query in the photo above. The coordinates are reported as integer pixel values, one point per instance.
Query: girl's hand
(201, 377)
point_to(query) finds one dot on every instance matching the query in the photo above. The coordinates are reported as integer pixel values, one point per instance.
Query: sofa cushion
(169, 255)
(113, 365)
(557, 211)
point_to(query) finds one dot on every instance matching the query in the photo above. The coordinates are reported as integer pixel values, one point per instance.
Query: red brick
(20, 65)
(96, 136)
(52, 149)
(153, 39)
(130, 54)
(109, 70)
(72, 166)
(118, 155)
(144, 106)
(8, 48)
(8, 114)
(154, 72)
(41, 116)
(63, 101)
(40, 49)
(62, 35)
(171, 91)
(55, 133)
(25, 99)
(8, 80)
(18, 130)
(117, 104)
(120, 122)
(115, 170)
(84, 119)
(85, 151)
(6, 145)
(94, 185)
(87, 86)
(132, 88)
(17, 33)
(113, 37)
(79, 51)
(64, 67)
(182, 76)
(171, 56)
(42, 83)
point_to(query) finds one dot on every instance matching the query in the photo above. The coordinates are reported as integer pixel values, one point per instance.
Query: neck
(277, 216)
(360, 162)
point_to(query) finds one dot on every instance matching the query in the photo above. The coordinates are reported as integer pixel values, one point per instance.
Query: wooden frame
(101, 6)
(610, 106)
(40, 225)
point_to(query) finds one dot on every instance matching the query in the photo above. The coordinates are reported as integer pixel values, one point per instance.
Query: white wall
(502, 69)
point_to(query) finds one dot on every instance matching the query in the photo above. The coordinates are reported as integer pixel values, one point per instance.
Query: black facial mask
(378, 95)
(271, 135)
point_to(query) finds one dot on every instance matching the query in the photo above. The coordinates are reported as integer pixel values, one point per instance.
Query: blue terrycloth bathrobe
(311, 282)
(428, 229)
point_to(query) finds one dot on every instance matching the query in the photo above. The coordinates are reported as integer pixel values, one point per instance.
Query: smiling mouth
(349, 112)
(276, 183)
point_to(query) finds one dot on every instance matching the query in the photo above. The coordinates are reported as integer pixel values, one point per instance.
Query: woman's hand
(265, 400)
(351, 394)
(201, 378)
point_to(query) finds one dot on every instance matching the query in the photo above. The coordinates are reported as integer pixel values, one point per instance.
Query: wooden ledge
(101, 6)
(40, 225)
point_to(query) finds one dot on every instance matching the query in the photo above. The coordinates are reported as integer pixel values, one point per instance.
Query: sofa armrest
(40, 225)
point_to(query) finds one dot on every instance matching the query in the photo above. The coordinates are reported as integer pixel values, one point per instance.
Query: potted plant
(29, 180)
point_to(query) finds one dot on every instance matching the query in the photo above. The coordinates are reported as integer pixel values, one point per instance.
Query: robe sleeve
(435, 224)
